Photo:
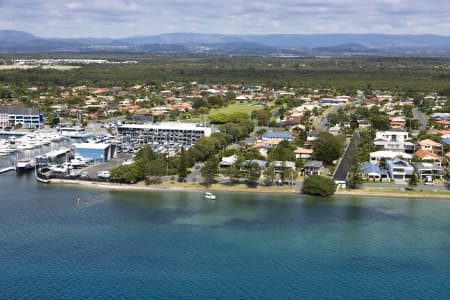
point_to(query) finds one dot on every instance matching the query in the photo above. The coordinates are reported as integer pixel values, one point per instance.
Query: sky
(123, 18)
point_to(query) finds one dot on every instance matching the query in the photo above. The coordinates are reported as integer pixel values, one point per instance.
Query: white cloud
(117, 18)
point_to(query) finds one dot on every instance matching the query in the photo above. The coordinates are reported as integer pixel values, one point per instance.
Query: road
(418, 115)
(340, 175)
(324, 121)
(194, 175)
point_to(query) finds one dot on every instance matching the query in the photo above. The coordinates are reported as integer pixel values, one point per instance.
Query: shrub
(319, 185)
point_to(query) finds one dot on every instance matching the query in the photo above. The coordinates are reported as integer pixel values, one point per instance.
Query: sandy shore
(241, 188)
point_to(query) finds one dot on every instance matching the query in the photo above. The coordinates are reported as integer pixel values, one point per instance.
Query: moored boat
(25, 165)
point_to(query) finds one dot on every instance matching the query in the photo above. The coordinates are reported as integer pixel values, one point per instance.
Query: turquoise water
(177, 245)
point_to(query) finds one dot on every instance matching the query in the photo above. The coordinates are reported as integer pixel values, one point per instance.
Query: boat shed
(96, 152)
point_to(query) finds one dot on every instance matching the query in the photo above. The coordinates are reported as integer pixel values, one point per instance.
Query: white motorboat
(77, 163)
(25, 164)
(210, 196)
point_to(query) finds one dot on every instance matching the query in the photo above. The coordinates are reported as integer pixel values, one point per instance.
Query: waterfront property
(399, 168)
(27, 117)
(163, 133)
(313, 167)
(373, 172)
(424, 170)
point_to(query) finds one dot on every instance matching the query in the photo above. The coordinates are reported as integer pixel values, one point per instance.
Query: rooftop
(16, 110)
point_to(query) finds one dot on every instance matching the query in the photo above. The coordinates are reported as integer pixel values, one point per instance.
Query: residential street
(418, 115)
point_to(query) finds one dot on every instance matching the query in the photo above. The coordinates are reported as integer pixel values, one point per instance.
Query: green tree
(210, 169)
(253, 172)
(284, 151)
(263, 116)
(126, 173)
(327, 147)
(156, 169)
(182, 164)
(380, 122)
(269, 174)
(354, 176)
(319, 185)
(413, 180)
(234, 171)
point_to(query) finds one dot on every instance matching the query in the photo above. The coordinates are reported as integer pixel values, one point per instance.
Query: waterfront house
(280, 166)
(399, 168)
(227, 161)
(373, 172)
(312, 167)
(423, 170)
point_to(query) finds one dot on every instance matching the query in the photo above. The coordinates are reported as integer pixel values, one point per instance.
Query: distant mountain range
(274, 44)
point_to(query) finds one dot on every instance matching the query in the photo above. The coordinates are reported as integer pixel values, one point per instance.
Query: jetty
(8, 169)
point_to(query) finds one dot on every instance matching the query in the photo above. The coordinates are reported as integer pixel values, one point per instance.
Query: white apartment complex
(185, 134)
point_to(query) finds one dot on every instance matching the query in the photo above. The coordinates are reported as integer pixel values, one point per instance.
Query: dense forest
(345, 74)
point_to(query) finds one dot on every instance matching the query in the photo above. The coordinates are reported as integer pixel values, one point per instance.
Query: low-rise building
(430, 145)
(377, 156)
(303, 153)
(399, 168)
(312, 167)
(423, 170)
(96, 152)
(228, 161)
(373, 172)
(277, 136)
(428, 156)
(27, 117)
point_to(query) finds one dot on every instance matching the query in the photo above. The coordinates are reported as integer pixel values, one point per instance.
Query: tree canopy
(327, 147)
(319, 185)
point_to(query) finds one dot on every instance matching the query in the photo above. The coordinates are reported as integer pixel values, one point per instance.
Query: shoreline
(443, 195)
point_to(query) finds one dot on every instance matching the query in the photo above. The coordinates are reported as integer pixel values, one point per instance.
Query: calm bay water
(177, 245)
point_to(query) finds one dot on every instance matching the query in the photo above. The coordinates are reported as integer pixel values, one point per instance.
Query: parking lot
(107, 166)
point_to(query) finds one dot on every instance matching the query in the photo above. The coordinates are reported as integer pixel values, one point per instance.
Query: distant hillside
(18, 41)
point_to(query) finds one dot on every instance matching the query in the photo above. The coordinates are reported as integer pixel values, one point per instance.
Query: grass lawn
(232, 108)
(237, 107)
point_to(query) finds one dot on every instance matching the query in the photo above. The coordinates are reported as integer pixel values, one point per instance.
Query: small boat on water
(210, 196)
